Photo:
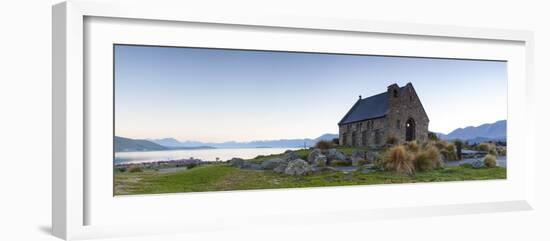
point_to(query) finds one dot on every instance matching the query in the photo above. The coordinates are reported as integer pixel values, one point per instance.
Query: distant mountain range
(173, 143)
(127, 144)
(478, 134)
(123, 144)
(472, 134)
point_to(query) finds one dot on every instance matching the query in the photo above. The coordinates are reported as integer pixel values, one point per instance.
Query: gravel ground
(501, 160)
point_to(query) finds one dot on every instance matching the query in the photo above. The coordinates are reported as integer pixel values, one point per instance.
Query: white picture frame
(74, 200)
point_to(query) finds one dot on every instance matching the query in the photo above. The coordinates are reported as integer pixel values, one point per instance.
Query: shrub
(391, 140)
(458, 145)
(191, 165)
(397, 159)
(336, 141)
(121, 169)
(490, 161)
(450, 152)
(324, 145)
(135, 169)
(427, 159)
(432, 136)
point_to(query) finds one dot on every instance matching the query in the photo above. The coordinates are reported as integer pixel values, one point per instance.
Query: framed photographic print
(180, 115)
(193, 119)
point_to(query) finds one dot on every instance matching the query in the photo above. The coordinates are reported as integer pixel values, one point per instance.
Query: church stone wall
(404, 104)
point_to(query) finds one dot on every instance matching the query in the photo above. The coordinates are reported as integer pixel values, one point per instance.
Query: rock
(241, 163)
(237, 162)
(372, 156)
(333, 154)
(252, 166)
(298, 167)
(319, 161)
(478, 164)
(313, 154)
(281, 167)
(271, 164)
(289, 156)
(316, 158)
(357, 157)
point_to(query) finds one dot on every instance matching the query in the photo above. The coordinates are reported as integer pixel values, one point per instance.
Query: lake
(202, 154)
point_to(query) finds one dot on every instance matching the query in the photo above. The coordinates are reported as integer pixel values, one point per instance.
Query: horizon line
(280, 139)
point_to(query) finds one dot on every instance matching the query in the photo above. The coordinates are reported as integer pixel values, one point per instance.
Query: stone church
(396, 113)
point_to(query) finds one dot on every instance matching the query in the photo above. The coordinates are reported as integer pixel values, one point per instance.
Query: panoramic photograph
(203, 119)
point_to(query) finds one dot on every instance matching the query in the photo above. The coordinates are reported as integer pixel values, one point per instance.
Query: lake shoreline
(201, 155)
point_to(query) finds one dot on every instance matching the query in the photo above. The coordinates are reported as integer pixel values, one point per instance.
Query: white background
(25, 105)
(201, 209)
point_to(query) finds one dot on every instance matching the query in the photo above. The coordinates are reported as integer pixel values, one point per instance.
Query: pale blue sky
(221, 95)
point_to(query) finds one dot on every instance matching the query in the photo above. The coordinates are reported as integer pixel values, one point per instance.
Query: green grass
(223, 177)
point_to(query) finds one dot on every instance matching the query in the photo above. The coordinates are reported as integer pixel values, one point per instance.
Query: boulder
(319, 161)
(289, 156)
(478, 164)
(237, 162)
(357, 157)
(313, 154)
(252, 166)
(372, 156)
(281, 167)
(243, 164)
(298, 167)
(333, 154)
(271, 164)
(316, 158)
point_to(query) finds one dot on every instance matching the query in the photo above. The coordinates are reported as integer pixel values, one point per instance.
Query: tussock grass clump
(397, 159)
(412, 146)
(450, 153)
(133, 169)
(427, 159)
(485, 146)
(324, 145)
(447, 150)
(490, 160)
(440, 144)
(489, 148)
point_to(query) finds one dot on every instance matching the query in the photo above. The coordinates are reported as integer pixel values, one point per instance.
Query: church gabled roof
(372, 107)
